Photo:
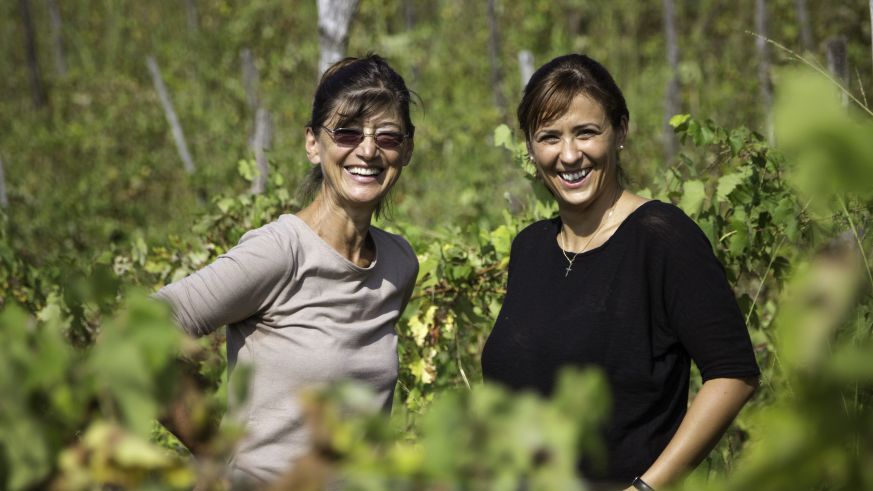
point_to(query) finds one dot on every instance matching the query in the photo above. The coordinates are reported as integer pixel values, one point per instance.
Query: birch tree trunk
(525, 66)
(803, 22)
(37, 88)
(334, 19)
(57, 37)
(838, 63)
(4, 200)
(494, 57)
(262, 129)
(671, 97)
(764, 64)
(170, 113)
(261, 142)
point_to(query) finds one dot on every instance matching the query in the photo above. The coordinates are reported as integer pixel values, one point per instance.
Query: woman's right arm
(237, 285)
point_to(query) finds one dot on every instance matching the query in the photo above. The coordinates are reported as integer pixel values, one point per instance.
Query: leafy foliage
(99, 206)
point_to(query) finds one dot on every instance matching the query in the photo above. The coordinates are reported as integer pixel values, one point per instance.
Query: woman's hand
(712, 411)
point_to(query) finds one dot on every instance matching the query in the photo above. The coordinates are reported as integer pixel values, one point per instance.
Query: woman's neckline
(344, 260)
(559, 223)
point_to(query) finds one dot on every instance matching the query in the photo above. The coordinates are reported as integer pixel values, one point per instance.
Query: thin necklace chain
(585, 248)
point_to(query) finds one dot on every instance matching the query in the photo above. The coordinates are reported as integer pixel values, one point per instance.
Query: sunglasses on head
(352, 137)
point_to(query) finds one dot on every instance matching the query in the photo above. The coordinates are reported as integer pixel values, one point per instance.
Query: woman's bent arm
(712, 411)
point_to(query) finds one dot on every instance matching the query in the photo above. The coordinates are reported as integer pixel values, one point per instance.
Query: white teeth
(575, 175)
(364, 171)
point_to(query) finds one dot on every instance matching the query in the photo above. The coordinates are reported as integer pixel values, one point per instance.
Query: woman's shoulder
(282, 240)
(665, 223)
(397, 245)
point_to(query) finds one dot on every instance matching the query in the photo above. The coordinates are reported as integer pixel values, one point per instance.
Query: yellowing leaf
(419, 327)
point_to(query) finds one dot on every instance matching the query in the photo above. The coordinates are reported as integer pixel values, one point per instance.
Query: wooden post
(671, 97)
(334, 19)
(764, 64)
(57, 37)
(494, 57)
(260, 144)
(4, 200)
(525, 66)
(250, 79)
(170, 114)
(838, 63)
(803, 22)
(191, 13)
(37, 88)
(409, 14)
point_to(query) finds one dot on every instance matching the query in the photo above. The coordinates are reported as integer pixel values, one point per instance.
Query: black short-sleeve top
(641, 307)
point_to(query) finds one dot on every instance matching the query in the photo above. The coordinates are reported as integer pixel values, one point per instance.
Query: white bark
(838, 63)
(526, 66)
(4, 200)
(170, 113)
(334, 19)
(671, 97)
(261, 142)
(57, 37)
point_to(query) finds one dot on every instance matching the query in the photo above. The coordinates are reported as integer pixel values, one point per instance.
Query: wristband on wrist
(641, 485)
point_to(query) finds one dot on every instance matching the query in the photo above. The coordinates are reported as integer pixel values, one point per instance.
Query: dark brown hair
(358, 87)
(552, 88)
(354, 88)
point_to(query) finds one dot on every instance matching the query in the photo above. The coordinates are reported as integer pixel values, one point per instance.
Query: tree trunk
(37, 88)
(57, 37)
(803, 22)
(170, 114)
(671, 98)
(409, 14)
(494, 57)
(4, 200)
(260, 144)
(334, 19)
(191, 13)
(764, 64)
(525, 66)
(838, 63)
(871, 28)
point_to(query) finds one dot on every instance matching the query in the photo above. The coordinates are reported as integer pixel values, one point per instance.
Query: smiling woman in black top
(615, 281)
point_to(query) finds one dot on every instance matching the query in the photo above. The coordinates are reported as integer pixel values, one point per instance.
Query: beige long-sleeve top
(300, 315)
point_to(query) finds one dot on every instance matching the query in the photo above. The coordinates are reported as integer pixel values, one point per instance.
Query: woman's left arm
(712, 411)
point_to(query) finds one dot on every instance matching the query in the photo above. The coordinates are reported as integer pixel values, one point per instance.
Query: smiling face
(359, 176)
(577, 154)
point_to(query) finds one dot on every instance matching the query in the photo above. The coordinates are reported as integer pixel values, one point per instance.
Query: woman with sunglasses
(313, 297)
(618, 282)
